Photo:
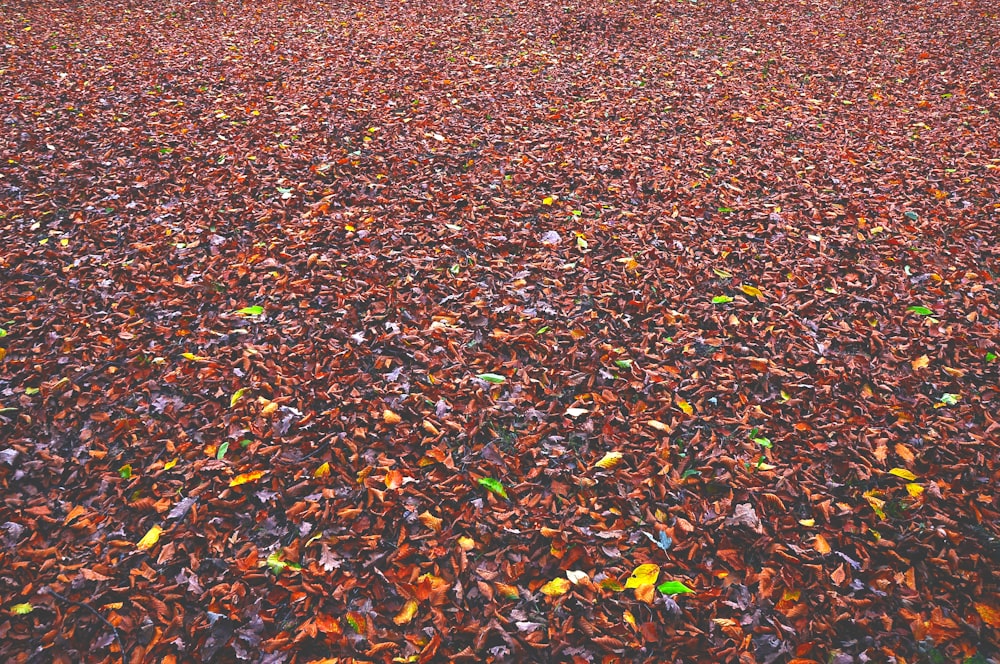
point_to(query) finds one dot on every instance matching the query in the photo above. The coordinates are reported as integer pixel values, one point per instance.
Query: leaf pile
(425, 331)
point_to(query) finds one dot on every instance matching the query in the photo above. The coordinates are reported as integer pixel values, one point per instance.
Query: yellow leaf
(903, 473)
(21, 609)
(548, 200)
(406, 615)
(556, 587)
(581, 242)
(808, 523)
(752, 291)
(920, 362)
(150, 538)
(609, 460)
(629, 618)
(643, 575)
(323, 470)
(876, 503)
(466, 543)
(193, 357)
(170, 464)
(685, 406)
(246, 477)
(914, 489)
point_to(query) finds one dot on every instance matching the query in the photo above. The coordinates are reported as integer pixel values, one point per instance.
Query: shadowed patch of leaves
(415, 332)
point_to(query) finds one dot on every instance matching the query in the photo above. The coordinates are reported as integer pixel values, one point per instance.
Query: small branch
(114, 630)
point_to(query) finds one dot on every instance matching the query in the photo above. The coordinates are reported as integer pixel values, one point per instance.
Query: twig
(114, 630)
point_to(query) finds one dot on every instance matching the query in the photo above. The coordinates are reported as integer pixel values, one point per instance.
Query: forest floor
(413, 331)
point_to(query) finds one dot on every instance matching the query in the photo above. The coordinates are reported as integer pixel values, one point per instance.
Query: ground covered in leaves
(499, 331)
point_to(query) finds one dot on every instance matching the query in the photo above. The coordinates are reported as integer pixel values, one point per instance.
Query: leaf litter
(319, 320)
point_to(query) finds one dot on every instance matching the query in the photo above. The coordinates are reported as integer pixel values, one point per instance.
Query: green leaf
(21, 609)
(690, 472)
(543, 330)
(3, 333)
(674, 588)
(223, 448)
(949, 399)
(255, 310)
(726, 210)
(911, 215)
(763, 442)
(990, 357)
(277, 565)
(496, 379)
(623, 364)
(455, 269)
(918, 309)
(125, 472)
(721, 299)
(493, 485)
(31, 391)
(237, 395)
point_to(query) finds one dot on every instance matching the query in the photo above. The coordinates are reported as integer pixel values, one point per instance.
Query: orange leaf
(821, 545)
(989, 614)
(393, 479)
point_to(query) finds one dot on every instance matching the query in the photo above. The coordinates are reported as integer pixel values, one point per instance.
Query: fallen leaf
(150, 539)
(246, 477)
(556, 587)
(609, 460)
(407, 613)
(903, 473)
(645, 574)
